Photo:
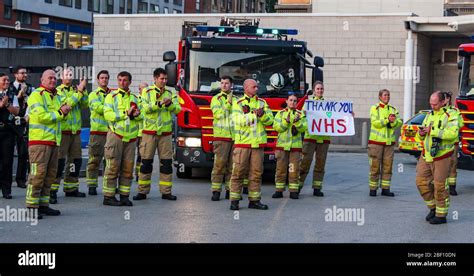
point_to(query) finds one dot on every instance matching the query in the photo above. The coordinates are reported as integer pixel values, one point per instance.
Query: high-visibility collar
(382, 105)
(123, 92)
(52, 92)
(248, 98)
(106, 91)
(159, 90)
(68, 88)
(224, 94)
(318, 97)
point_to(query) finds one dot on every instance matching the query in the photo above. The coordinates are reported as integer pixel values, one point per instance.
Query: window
(7, 12)
(122, 6)
(178, 2)
(78, 4)
(176, 11)
(166, 10)
(93, 5)
(24, 18)
(67, 3)
(48, 1)
(142, 6)
(450, 56)
(109, 6)
(154, 8)
(129, 6)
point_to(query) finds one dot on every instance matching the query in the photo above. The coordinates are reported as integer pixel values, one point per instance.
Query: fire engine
(241, 49)
(465, 103)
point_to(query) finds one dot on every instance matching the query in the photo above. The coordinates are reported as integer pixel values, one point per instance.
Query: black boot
(21, 184)
(294, 195)
(139, 196)
(75, 194)
(92, 191)
(125, 201)
(452, 190)
(234, 205)
(216, 196)
(386, 192)
(257, 205)
(317, 192)
(111, 201)
(431, 214)
(277, 195)
(53, 197)
(438, 220)
(43, 210)
(34, 213)
(227, 194)
(169, 197)
(245, 191)
(373, 193)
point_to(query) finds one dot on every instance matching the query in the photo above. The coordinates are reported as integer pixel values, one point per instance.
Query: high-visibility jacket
(454, 111)
(117, 103)
(319, 139)
(44, 117)
(72, 123)
(443, 126)
(249, 129)
(140, 123)
(158, 119)
(96, 104)
(289, 134)
(382, 132)
(222, 111)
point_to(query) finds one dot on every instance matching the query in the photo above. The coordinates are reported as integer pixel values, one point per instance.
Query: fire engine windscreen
(206, 69)
(467, 77)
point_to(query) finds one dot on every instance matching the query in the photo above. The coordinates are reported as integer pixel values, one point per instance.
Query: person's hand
(65, 109)
(131, 111)
(246, 109)
(259, 112)
(136, 113)
(423, 131)
(4, 101)
(22, 91)
(167, 101)
(82, 85)
(392, 118)
(288, 120)
(229, 97)
(297, 118)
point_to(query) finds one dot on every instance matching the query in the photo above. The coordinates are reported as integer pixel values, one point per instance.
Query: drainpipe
(408, 89)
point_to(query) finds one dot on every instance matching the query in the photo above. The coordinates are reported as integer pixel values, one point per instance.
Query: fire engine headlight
(190, 142)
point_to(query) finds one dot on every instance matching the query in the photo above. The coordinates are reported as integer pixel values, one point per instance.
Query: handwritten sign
(329, 118)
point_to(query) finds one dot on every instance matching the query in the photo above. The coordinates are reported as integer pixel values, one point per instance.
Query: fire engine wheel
(187, 172)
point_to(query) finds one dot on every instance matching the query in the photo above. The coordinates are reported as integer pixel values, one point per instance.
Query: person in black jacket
(9, 109)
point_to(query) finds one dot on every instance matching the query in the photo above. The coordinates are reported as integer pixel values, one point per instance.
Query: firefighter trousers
(380, 164)
(43, 169)
(96, 155)
(222, 170)
(119, 161)
(70, 148)
(453, 168)
(432, 185)
(148, 146)
(246, 162)
(287, 165)
(320, 152)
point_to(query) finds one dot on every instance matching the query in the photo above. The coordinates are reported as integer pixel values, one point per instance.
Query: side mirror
(172, 72)
(318, 61)
(317, 75)
(169, 56)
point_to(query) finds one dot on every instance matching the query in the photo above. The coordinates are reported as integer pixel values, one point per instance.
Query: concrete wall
(355, 48)
(423, 86)
(419, 7)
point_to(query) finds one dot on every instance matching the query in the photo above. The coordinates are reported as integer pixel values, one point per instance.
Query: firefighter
(22, 90)
(290, 124)
(138, 163)
(98, 130)
(45, 115)
(384, 120)
(250, 115)
(159, 105)
(453, 111)
(221, 105)
(9, 108)
(70, 146)
(438, 131)
(315, 146)
(122, 112)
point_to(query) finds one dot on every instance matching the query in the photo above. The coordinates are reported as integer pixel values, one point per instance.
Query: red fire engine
(240, 49)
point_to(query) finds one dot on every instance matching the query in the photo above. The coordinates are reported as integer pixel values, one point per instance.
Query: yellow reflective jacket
(222, 111)
(382, 132)
(289, 134)
(44, 117)
(158, 119)
(316, 138)
(117, 103)
(444, 129)
(96, 104)
(249, 129)
(454, 111)
(72, 123)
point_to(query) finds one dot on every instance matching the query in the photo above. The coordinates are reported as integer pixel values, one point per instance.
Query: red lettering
(341, 123)
(316, 125)
(327, 125)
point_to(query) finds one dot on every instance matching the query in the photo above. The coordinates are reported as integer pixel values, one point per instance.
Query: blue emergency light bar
(245, 30)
